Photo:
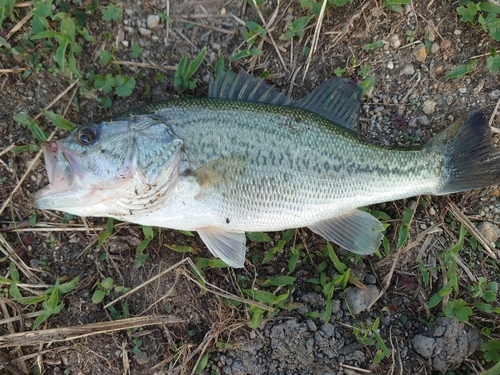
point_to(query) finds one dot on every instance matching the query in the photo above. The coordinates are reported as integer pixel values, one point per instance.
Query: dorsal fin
(231, 86)
(336, 99)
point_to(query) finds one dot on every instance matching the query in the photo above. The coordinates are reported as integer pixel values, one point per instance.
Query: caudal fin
(471, 161)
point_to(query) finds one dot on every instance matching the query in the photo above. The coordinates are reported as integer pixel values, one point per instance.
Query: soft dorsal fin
(336, 99)
(231, 86)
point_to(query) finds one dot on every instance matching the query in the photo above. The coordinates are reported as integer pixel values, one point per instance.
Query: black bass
(247, 158)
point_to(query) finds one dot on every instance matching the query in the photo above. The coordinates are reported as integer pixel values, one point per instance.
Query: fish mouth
(63, 171)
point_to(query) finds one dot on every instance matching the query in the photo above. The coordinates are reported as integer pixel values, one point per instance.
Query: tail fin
(470, 159)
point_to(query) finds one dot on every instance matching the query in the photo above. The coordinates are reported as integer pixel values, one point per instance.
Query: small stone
(129, 29)
(434, 47)
(428, 107)
(432, 211)
(129, 12)
(424, 345)
(423, 120)
(359, 299)
(457, 32)
(370, 279)
(495, 94)
(462, 90)
(125, 43)
(328, 329)
(445, 44)
(144, 32)
(394, 41)
(311, 325)
(408, 70)
(153, 21)
(490, 231)
(423, 226)
(420, 53)
(390, 65)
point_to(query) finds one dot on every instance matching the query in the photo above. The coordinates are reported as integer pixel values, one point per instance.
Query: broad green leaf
(461, 70)
(202, 363)
(141, 260)
(148, 232)
(261, 295)
(195, 64)
(180, 249)
(98, 296)
(68, 29)
(69, 286)
(61, 54)
(58, 121)
(435, 300)
(37, 132)
(258, 237)
(282, 280)
(217, 263)
(258, 315)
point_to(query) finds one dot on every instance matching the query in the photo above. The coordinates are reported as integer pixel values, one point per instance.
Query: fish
(247, 158)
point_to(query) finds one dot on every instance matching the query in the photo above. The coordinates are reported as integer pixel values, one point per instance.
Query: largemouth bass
(247, 158)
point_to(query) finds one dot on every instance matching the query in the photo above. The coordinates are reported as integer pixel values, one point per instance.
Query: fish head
(102, 169)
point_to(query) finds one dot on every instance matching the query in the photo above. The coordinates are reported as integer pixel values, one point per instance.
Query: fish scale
(223, 166)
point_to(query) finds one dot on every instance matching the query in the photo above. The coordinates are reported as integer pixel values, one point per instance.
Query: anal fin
(230, 246)
(357, 231)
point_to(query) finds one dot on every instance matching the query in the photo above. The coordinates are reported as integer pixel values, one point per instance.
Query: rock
(462, 90)
(311, 325)
(145, 32)
(434, 47)
(424, 345)
(390, 65)
(423, 120)
(394, 41)
(289, 342)
(359, 299)
(153, 21)
(370, 279)
(495, 94)
(428, 107)
(451, 343)
(445, 44)
(408, 70)
(328, 329)
(490, 231)
(420, 53)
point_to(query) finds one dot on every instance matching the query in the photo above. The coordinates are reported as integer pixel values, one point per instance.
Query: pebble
(153, 21)
(420, 53)
(129, 29)
(328, 329)
(394, 41)
(144, 32)
(390, 65)
(457, 32)
(495, 94)
(409, 70)
(423, 120)
(490, 231)
(432, 211)
(125, 43)
(370, 279)
(428, 107)
(424, 345)
(434, 47)
(462, 90)
(359, 299)
(445, 44)
(311, 325)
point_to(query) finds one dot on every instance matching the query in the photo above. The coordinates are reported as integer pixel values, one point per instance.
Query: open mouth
(60, 164)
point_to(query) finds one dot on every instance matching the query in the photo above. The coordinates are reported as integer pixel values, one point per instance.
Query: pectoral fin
(357, 231)
(228, 245)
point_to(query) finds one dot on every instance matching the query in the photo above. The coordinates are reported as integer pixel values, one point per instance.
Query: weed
(148, 236)
(111, 13)
(184, 72)
(395, 5)
(251, 34)
(296, 28)
(136, 50)
(374, 45)
(103, 289)
(51, 300)
(364, 334)
(461, 70)
(410, 36)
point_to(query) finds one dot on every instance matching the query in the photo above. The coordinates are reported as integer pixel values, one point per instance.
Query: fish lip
(63, 173)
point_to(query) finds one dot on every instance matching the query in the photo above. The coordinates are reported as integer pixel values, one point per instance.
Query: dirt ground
(177, 319)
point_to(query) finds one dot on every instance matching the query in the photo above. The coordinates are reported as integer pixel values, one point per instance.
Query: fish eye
(86, 135)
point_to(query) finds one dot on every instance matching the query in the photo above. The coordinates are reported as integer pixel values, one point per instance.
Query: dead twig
(471, 228)
(6, 362)
(45, 336)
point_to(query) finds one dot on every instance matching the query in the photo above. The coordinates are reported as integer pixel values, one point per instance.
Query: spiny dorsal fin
(231, 86)
(336, 99)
